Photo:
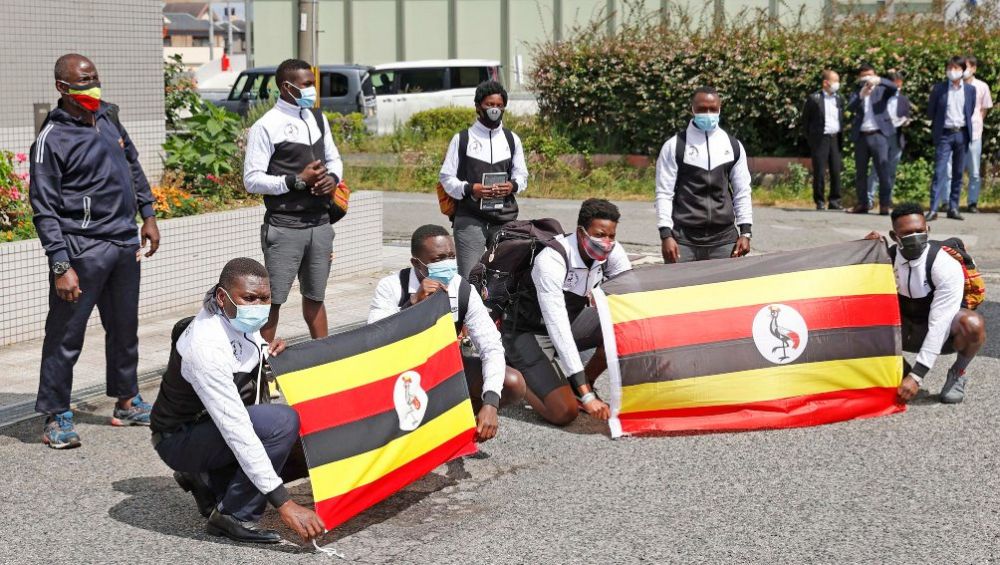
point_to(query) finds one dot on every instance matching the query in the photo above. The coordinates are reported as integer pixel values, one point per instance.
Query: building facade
(124, 38)
(381, 31)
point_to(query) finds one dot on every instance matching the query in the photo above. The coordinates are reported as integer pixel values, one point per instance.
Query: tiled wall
(192, 253)
(124, 39)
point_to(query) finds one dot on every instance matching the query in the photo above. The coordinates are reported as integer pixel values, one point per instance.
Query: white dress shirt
(482, 330)
(868, 119)
(552, 276)
(831, 115)
(954, 116)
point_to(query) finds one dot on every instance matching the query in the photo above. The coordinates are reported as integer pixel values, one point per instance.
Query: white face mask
(967, 74)
(834, 87)
(954, 74)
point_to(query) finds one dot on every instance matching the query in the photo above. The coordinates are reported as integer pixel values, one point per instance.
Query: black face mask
(913, 245)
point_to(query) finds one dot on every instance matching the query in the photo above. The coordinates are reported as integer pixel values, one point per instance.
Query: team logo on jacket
(291, 131)
(410, 401)
(780, 333)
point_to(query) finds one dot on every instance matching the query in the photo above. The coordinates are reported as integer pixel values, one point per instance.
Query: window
(383, 82)
(241, 83)
(467, 77)
(421, 80)
(333, 85)
(268, 88)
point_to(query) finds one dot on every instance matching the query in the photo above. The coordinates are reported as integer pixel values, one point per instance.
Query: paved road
(922, 486)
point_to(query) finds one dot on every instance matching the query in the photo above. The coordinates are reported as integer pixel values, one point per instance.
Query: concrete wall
(124, 38)
(193, 252)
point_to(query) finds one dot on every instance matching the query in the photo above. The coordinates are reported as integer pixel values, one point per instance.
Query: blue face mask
(249, 317)
(443, 271)
(307, 95)
(706, 122)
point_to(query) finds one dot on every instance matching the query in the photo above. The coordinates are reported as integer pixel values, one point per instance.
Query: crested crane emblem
(780, 333)
(410, 401)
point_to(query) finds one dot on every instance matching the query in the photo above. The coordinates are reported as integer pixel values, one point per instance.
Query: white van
(405, 88)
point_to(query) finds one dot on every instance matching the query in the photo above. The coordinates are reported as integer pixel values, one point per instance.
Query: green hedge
(630, 92)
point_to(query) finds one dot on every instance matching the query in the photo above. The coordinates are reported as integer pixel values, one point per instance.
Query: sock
(961, 363)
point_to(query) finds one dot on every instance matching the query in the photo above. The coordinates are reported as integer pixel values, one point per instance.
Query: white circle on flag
(780, 333)
(410, 401)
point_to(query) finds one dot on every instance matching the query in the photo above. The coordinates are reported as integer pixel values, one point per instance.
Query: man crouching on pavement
(209, 424)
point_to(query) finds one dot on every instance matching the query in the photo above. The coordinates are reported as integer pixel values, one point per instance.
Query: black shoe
(859, 209)
(930, 215)
(954, 215)
(972, 209)
(203, 495)
(220, 524)
(819, 206)
(835, 206)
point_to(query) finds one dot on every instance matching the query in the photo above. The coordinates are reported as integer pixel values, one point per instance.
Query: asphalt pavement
(917, 487)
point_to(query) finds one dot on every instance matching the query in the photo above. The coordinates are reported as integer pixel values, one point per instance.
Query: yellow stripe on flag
(368, 367)
(850, 280)
(758, 385)
(338, 477)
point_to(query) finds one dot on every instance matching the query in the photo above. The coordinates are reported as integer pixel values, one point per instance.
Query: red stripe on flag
(664, 332)
(373, 398)
(794, 412)
(339, 509)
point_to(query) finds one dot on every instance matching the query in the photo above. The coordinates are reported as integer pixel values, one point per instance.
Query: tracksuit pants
(109, 279)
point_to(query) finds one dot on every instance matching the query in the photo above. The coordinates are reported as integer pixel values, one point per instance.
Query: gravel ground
(921, 486)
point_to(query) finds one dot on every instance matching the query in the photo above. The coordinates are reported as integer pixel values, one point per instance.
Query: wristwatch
(300, 184)
(747, 235)
(60, 267)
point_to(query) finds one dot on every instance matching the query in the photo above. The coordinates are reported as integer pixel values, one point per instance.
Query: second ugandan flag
(790, 339)
(379, 407)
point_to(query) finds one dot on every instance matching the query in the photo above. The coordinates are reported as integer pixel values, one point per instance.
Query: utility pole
(248, 24)
(309, 37)
(211, 33)
(229, 29)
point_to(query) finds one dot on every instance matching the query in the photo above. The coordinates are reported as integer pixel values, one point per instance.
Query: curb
(19, 412)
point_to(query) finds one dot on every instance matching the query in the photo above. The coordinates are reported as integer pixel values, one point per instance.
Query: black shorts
(915, 331)
(534, 355)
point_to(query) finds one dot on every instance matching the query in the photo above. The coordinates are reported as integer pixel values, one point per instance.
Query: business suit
(824, 148)
(950, 142)
(900, 112)
(871, 140)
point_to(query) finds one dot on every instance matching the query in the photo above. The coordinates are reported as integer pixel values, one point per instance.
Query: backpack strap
(736, 148)
(404, 285)
(463, 148)
(681, 147)
(513, 148)
(932, 253)
(112, 114)
(321, 124)
(464, 291)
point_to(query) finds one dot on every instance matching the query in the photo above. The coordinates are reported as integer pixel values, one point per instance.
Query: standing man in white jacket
(292, 160)
(703, 188)
(486, 148)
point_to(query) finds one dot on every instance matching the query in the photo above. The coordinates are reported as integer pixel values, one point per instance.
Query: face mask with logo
(249, 317)
(706, 122)
(492, 116)
(913, 245)
(442, 271)
(306, 97)
(597, 248)
(834, 87)
(954, 75)
(88, 96)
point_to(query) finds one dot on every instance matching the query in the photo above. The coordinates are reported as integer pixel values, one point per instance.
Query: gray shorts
(304, 252)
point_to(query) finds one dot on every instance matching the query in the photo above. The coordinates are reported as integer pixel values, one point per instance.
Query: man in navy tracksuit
(86, 188)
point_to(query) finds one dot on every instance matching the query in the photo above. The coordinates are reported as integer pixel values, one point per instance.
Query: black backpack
(500, 274)
(464, 290)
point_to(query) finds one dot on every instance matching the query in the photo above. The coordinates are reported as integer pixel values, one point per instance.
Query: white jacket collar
(698, 134)
(286, 108)
(480, 129)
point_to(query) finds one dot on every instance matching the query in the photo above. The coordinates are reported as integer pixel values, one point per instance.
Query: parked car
(405, 88)
(342, 88)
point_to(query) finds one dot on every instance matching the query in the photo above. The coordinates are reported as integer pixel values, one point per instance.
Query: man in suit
(871, 131)
(822, 116)
(950, 109)
(899, 111)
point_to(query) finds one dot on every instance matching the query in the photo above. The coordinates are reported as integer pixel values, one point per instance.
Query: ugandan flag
(790, 339)
(379, 406)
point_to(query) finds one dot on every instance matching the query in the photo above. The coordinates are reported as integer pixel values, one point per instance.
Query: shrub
(180, 93)
(172, 202)
(348, 130)
(628, 93)
(205, 152)
(441, 123)
(15, 212)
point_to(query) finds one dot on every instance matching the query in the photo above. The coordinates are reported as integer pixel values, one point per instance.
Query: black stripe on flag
(742, 355)
(341, 442)
(409, 322)
(658, 277)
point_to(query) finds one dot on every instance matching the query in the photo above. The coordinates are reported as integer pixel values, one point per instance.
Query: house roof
(193, 9)
(186, 24)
